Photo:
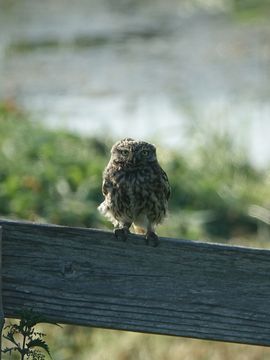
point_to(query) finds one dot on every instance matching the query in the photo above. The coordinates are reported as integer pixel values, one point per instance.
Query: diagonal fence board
(87, 277)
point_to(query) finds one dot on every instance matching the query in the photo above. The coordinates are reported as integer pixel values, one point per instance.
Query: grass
(102, 344)
(75, 342)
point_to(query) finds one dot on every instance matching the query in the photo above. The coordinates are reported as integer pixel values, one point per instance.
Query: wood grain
(87, 277)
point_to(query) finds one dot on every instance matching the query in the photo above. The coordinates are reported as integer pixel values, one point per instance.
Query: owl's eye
(124, 152)
(145, 153)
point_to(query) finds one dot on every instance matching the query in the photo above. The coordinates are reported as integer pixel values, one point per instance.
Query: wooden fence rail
(87, 277)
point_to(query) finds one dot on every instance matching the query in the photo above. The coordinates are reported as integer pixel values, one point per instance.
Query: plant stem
(23, 347)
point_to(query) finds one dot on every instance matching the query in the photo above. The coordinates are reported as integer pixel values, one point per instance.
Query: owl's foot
(152, 239)
(121, 233)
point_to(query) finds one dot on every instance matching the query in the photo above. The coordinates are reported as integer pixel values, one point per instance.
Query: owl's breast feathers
(131, 192)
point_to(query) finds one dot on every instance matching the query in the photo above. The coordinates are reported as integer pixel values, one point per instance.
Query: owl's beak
(131, 159)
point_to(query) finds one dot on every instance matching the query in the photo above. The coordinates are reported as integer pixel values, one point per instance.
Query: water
(141, 69)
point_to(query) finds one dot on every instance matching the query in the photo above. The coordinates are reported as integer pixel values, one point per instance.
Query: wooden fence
(87, 277)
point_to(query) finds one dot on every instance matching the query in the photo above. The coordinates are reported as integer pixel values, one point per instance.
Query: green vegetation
(23, 339)
(54, 176)
(48, 176)
(251, 10)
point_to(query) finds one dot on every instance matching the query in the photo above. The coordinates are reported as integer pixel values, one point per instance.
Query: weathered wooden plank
(87, 277)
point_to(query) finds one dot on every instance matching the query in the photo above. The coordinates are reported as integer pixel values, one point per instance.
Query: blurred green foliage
(46, 175)
(251, 4)
(251, 9)
(55, 176)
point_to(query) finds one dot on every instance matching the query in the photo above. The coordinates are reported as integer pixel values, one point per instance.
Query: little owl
(136, 189)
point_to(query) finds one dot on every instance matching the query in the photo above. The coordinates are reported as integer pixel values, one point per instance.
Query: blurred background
(191, 76)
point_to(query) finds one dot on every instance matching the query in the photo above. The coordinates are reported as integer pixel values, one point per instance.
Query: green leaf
(39, 343)
(30, 318)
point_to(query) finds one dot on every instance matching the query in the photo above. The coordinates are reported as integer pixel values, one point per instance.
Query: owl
(136, 190)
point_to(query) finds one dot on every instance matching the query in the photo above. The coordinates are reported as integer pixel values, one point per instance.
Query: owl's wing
(106, 186)
(167, 187)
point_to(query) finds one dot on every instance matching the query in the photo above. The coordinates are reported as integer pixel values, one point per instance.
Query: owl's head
(132, 153)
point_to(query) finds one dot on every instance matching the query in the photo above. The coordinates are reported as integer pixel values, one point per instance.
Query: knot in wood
(68, 269)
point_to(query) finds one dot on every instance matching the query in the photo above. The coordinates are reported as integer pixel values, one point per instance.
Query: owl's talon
(152, 239)
(121, 233)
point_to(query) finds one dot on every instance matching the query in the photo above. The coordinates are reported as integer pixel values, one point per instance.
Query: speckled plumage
(135, 187)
